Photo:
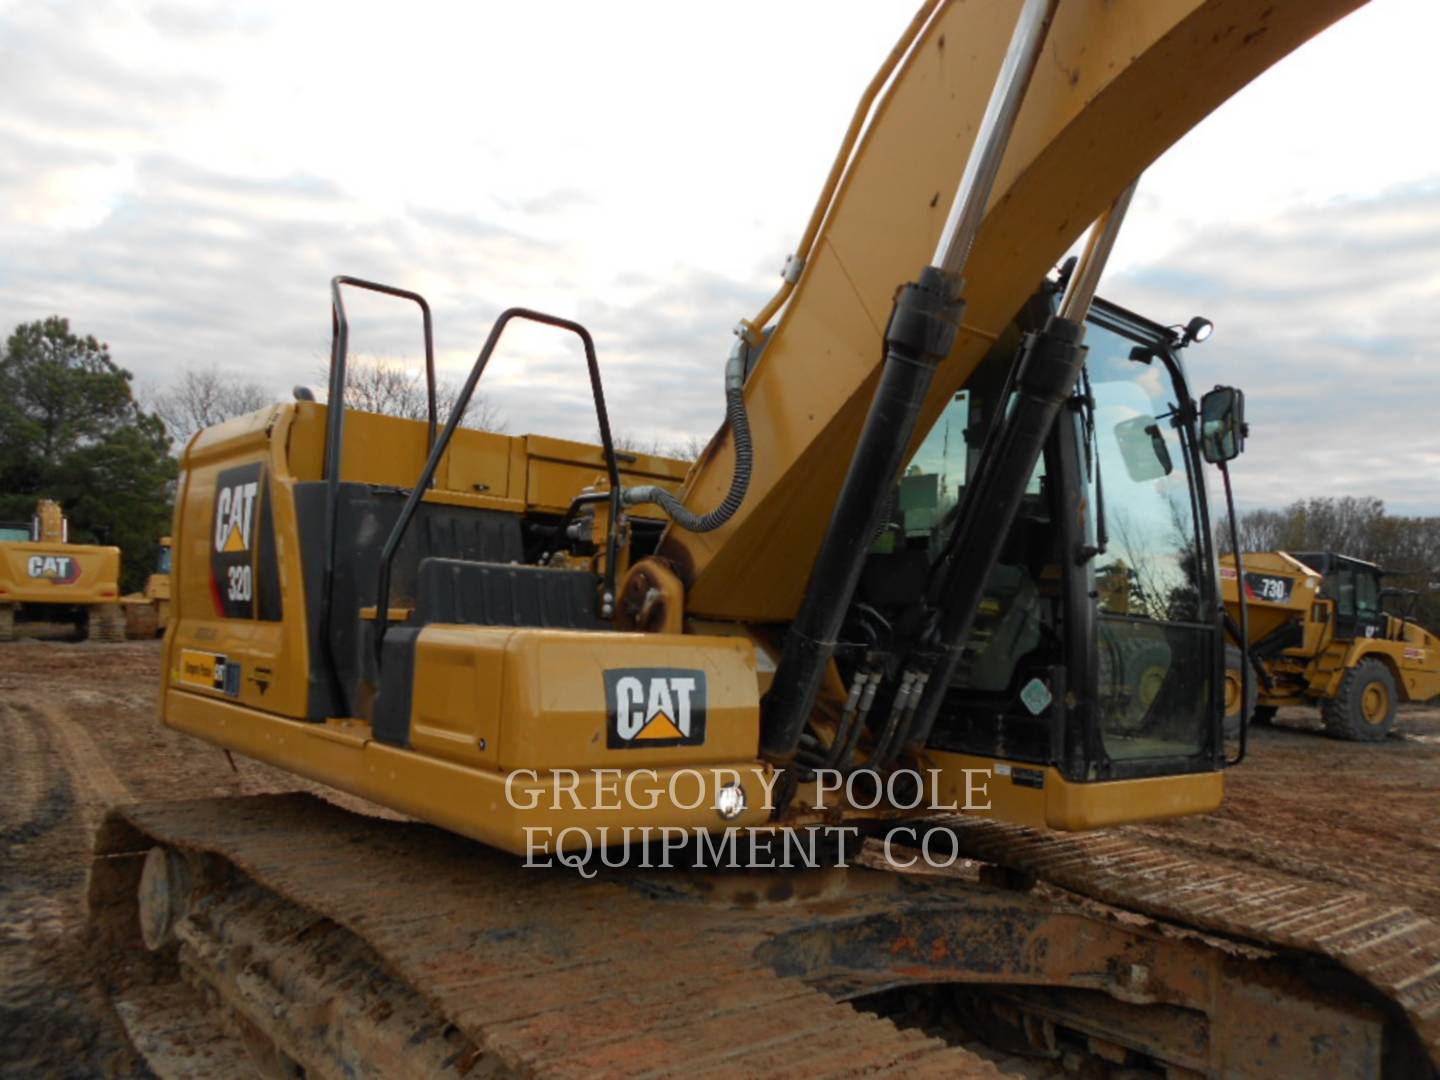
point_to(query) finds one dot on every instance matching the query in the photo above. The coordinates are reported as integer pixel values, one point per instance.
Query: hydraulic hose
(739, 423)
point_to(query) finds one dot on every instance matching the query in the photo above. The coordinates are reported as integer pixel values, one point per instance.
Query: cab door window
(1155, 623)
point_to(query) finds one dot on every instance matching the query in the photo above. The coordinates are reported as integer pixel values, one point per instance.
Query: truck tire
(1234, 659)
(7, 622)
(105, 622)
(1363, 710)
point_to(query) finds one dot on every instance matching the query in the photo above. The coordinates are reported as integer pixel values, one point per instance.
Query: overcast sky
(182, 179)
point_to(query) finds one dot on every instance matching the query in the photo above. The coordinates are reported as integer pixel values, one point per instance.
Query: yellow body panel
(1267, 614)
(275, 655)
(468, 800)
(1045, 799)
(1414, 661)
(58, 573)
(553, 706)
(157, 587)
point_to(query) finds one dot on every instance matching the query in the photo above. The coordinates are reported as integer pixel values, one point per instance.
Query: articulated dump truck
(47, 581)
(1319, 635)
(692, 769)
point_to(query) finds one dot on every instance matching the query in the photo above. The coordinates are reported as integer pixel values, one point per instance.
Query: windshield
(1155, 619)
(1139, 587)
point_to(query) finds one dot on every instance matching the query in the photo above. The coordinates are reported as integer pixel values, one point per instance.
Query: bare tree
(202, 397)
(690, 448)
(1258, 530)
(481, 414)
(392, 388)
(1407, 547)
(379, 386)
(1352, 525)
(687, 449)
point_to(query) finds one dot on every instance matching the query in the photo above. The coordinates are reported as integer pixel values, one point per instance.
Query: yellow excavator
(45, 580)
(949, 552)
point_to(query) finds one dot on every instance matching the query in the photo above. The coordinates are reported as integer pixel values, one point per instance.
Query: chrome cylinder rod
(973, 194)
(1081, 289)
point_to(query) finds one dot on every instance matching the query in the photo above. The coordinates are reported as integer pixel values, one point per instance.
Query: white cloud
(1328, 318)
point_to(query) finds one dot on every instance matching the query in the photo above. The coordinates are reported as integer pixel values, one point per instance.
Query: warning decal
(209, 671)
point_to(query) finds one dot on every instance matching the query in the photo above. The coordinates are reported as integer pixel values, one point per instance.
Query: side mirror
(1222, 424)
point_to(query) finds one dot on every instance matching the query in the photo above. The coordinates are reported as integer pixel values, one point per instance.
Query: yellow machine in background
(1319, 635)
(46, 579)
(147, 612)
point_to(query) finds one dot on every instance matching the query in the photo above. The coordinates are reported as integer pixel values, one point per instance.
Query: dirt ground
(78, 723)
(1361, 815)
(80, 733)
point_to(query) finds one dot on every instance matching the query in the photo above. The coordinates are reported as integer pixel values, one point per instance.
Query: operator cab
(1354, 585)
(1097, 648)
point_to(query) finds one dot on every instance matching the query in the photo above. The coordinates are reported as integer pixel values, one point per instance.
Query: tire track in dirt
(37, 797)
(52, 1018)
(26, 787)
(99, 786)
(1357, 815)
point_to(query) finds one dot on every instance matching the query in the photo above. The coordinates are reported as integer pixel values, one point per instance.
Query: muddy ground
(78, 733)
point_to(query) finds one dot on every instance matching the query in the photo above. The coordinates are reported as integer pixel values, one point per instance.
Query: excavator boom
(1116, 85)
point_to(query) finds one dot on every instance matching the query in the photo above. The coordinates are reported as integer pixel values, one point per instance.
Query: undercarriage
(312, 941)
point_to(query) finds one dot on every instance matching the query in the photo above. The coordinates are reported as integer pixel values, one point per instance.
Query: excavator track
(1389, 946)
(498, 970)
(346, 945)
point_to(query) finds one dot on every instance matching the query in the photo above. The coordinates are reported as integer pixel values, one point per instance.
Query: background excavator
(955, 524)
(45, 579)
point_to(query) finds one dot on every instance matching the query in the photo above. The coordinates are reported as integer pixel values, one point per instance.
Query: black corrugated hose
(678, 512)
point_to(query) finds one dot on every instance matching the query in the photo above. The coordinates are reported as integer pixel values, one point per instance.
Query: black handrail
(437, 451)
(340, 341)
(334, 442)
